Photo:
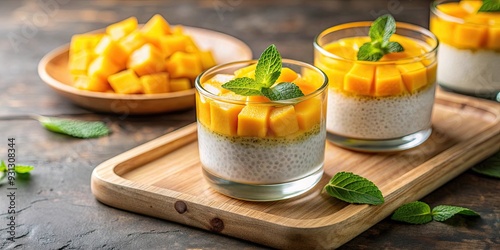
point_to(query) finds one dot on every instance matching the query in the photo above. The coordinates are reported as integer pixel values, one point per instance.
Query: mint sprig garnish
(268, 70)
(420, 213)
(74, 128)
(490, 166)
(380, 32)
(353, 188)
(490, 6)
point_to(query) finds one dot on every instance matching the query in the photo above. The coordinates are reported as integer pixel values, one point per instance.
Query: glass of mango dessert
(382, 78)
(469, 55)
(262, 127)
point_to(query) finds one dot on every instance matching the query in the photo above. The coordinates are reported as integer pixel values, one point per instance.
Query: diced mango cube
(287, 75)
(414, 75)
(122, 28)
(233, 96)
(174, 43)
(309, 113)
(102, 67)
(84, 42)
(179, 84)
(335, 70)
(132, 42)
(183, 64)
(80, 61)
(146, 60)
(177, 30)
(443, 29)
(252, 121)
(111, 49)
(125, 82)
(312, 78)
(283, 121)
(155, 83)
(305, 86)
(344, 48)
(94, 83)
(248, 71)
(359, 79)
(203, 110)
(224, 117)
(470, 6)
(470, 35)
(207, 59)
(431, 71)
(388, 81)
(156, 27)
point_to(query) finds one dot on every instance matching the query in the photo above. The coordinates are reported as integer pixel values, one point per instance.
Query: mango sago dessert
(469, 54)
(261, 127)
(381, 84)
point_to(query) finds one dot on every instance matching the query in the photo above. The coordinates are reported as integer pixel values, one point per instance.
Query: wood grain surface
(56, 208)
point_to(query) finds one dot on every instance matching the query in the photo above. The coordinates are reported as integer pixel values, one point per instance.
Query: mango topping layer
(351, 76)
(473, 30)
(155, 58)
(257, 120)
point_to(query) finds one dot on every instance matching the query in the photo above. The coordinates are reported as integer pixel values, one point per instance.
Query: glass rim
(367, 24)
(450, 18)
(291, 101)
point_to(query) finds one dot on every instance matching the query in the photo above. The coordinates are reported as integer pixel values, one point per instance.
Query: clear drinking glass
(378, 106)
(469, 53)
(261, 150)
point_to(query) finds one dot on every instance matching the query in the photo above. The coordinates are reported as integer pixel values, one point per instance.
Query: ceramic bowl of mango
(53, 70)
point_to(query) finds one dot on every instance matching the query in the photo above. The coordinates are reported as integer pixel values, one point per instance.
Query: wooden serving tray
(163, 179)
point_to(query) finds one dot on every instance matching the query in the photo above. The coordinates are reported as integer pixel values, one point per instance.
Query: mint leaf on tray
(267, 72)
(415, 213)
(380, 32)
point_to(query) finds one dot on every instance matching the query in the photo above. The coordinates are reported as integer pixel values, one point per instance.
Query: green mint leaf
(3, 167)
(78, 129)
(382, 29)
(23, 169)
(268, 68)
(490, 6)
(282, 91)
(243, 86)
(444, 212)
(393, 47)
(3, 180)
(367, 52)
(380, 32)
(353, 188)
(414, 213)
(490, 166)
